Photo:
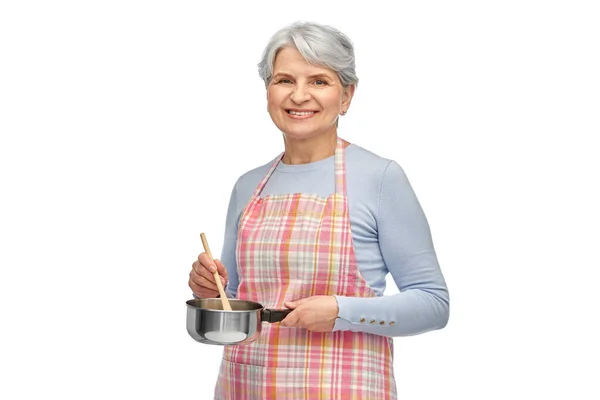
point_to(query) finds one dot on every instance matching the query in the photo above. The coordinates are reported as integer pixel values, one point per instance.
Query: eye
(320, 82)
(285, 81)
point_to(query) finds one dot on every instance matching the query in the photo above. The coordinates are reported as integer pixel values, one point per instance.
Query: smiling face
(305, 100)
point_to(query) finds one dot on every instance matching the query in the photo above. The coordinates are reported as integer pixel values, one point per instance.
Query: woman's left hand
(315, 313)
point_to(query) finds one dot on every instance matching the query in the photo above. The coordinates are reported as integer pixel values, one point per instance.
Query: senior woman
(316, 230)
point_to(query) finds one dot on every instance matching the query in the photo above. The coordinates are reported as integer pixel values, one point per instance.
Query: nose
(300, 94)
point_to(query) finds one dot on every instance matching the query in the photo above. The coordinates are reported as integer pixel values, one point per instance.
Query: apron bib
(290, 247)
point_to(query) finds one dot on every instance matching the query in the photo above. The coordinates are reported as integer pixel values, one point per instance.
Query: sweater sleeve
(229, 244)
(407, 249)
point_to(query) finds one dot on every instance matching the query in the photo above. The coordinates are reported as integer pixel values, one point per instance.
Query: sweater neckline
(299, 168)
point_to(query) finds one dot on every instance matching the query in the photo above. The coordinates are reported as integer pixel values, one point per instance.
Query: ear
(347, 95)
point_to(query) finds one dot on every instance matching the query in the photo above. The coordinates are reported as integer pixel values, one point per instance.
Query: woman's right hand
(202, 280)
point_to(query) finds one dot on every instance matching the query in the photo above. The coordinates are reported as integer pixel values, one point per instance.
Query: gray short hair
(320, 45)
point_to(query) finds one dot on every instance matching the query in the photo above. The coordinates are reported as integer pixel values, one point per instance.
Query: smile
(300, 114)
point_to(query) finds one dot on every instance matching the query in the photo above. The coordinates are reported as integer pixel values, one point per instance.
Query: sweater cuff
(345, 318)
(358, 314)
(342, 325)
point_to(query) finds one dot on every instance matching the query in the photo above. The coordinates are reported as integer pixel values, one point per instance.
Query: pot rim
(192, 304)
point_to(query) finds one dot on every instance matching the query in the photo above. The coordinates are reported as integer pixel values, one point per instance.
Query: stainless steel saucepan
(208, 322)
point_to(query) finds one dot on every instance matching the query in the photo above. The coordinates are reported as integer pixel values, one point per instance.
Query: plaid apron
(290, 247)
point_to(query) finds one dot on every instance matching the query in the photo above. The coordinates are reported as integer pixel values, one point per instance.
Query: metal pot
(208, 323)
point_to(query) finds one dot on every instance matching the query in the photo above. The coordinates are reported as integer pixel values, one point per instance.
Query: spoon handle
(224, 299)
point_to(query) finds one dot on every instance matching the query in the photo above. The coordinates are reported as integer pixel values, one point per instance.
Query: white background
(125, 124)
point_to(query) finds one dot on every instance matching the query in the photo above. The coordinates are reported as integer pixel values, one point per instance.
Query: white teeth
(301, 112)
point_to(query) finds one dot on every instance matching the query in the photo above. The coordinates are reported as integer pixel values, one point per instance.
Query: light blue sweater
(390, 233)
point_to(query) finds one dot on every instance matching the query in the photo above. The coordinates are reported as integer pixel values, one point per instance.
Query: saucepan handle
(274, 315)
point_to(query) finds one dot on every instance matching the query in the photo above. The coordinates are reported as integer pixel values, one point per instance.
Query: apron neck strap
(340, 167)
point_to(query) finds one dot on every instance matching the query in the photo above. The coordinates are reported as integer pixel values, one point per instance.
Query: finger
(296, 303)
(196, 267)
(203, 266)
(210, 277)
(291, 320)
(202, 281)
(207, 262)
(202, 292)
(202, 271)
(221, 269)
(198, 289)
(194, 286)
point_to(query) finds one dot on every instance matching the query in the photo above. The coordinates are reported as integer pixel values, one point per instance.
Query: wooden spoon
(224, 299)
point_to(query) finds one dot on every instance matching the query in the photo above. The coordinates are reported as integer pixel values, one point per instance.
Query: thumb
(293, 304)
(221, 269)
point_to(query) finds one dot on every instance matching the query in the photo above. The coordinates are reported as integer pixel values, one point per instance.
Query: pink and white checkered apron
(290, 247)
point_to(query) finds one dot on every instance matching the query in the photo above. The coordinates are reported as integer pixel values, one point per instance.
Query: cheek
(272, 108)
(274, 97)
(331, 100)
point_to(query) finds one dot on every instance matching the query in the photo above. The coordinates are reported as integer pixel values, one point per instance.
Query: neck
(304, 151)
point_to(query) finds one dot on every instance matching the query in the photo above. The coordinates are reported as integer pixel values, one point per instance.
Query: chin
(300, 133)
(296, 135)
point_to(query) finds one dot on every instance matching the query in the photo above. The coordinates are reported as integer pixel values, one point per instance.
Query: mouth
(300, 114)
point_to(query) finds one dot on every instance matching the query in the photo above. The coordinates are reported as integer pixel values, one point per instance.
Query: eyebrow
(319, 75)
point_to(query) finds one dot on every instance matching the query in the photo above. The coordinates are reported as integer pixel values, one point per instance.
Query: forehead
(290, 61)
